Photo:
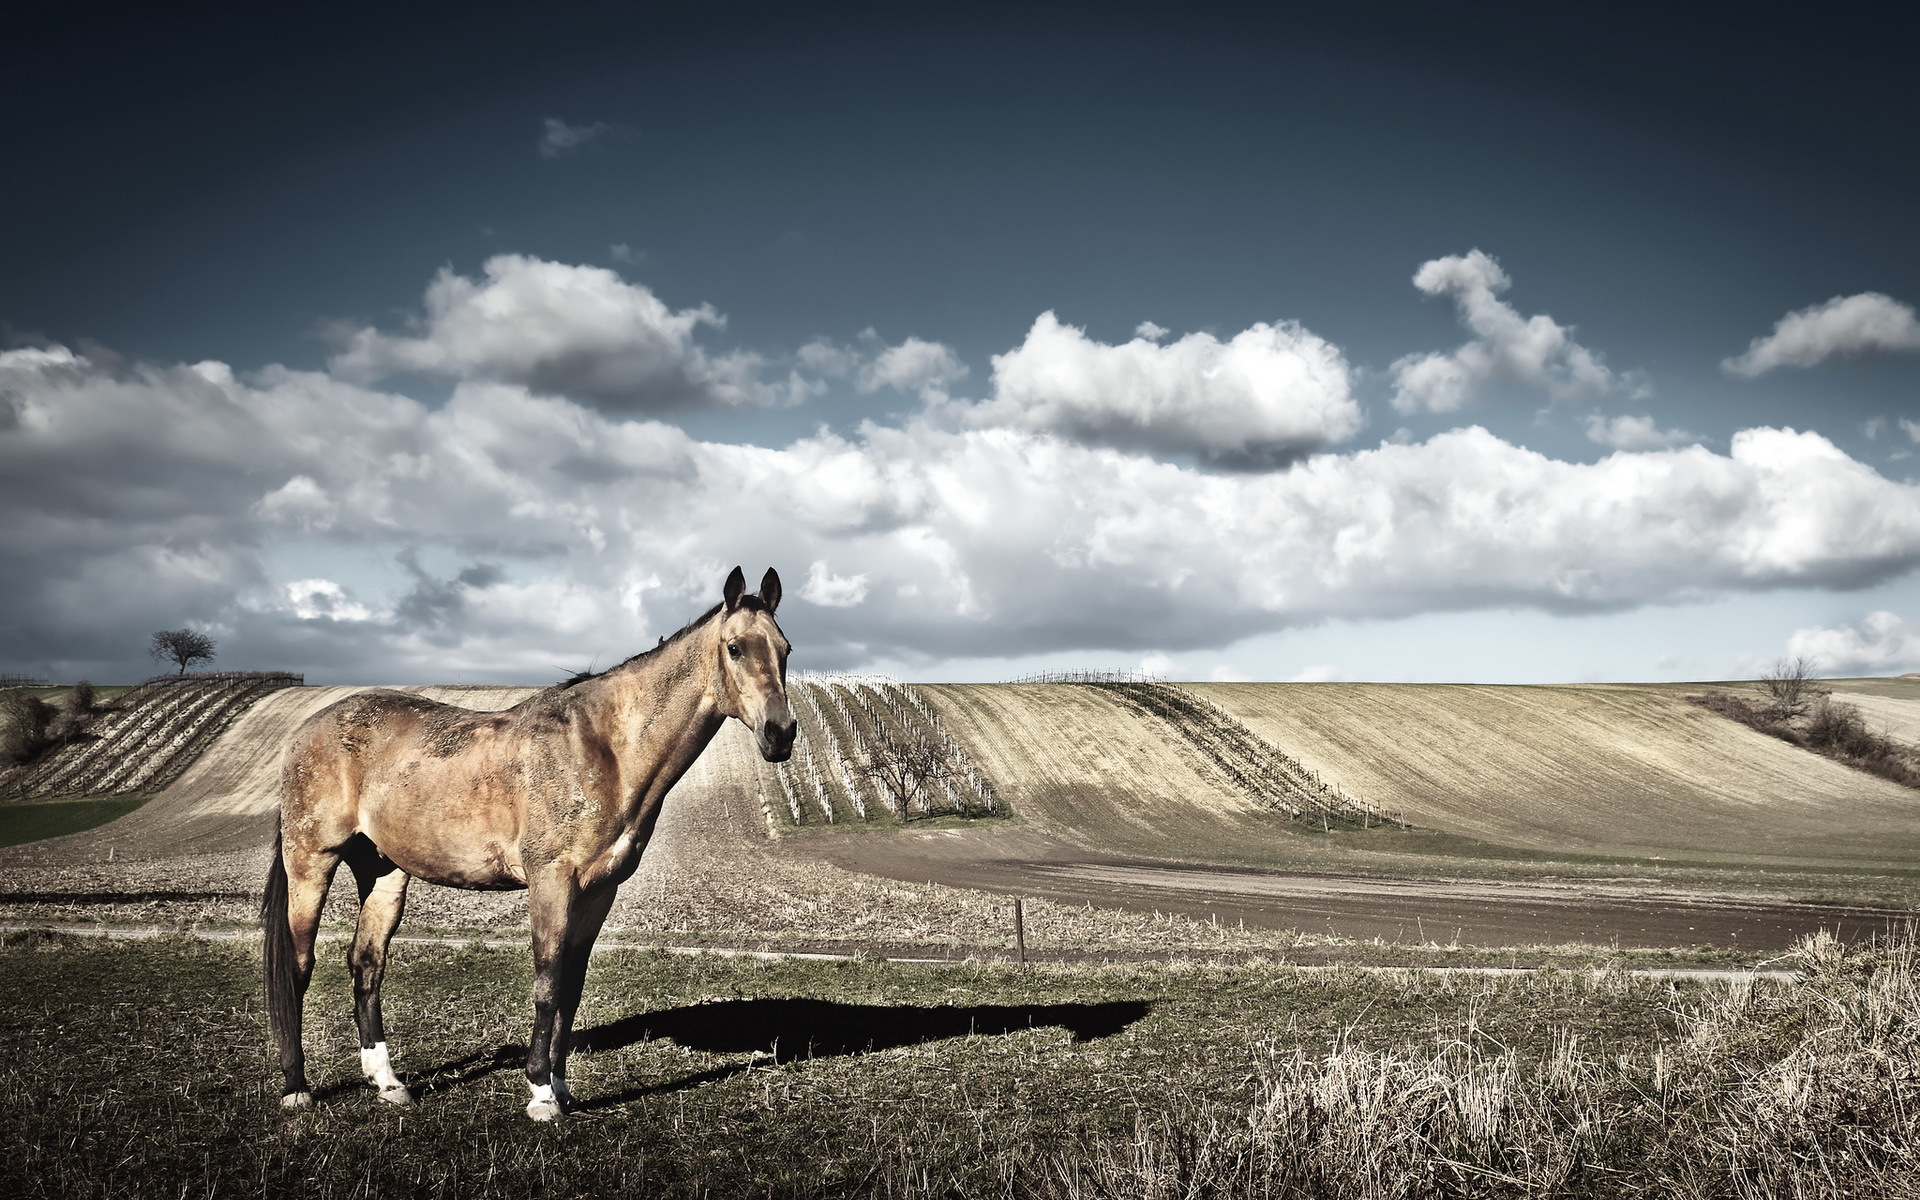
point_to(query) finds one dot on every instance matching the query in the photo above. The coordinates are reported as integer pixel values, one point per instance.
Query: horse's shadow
(787, 1030)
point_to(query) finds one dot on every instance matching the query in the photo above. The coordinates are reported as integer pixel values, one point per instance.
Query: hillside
(1110, 806)
(1604, 769)
(1598, 769)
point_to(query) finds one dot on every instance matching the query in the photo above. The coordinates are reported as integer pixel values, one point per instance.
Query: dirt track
(1471, 913)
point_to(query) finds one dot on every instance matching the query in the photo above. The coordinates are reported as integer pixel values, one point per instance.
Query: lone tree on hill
(1789, 683)
(182, 646)
(908, 769)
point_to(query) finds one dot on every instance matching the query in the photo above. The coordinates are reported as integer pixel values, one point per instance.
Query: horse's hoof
(562, 1093)
(297, 1101)
(544, 1106)
(395, 1095)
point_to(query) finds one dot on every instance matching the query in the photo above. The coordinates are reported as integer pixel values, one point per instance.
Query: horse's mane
(748, 602)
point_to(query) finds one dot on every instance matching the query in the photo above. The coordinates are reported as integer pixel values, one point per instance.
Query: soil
(1467, 913)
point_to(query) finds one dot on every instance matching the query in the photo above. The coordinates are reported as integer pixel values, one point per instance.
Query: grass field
(141, 1070)
(22, 823)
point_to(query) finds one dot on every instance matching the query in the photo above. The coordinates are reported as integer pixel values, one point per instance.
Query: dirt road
(1471, 913)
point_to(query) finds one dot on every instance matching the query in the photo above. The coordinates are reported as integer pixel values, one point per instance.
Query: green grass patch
(142, 1069)
(32, 822)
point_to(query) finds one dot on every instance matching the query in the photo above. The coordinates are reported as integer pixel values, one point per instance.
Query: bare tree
(908, 769)
(182, 646)
(1789, 683)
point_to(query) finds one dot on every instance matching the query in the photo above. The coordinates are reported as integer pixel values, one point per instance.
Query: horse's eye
(733, 649)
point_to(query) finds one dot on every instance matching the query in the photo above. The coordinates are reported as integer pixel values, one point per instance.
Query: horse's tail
(283, 989)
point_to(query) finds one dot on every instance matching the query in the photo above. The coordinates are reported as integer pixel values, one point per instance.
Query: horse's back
(420, 779)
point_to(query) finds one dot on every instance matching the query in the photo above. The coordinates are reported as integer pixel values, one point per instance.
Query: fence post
(1020, 931)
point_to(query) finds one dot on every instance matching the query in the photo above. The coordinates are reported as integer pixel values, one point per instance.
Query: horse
(557, 795)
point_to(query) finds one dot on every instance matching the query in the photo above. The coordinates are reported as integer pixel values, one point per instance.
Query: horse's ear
(770, 589)
(736, 587)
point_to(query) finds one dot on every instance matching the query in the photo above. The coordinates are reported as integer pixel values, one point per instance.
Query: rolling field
(1160, 1049)
(1608, 770)
(1613, 771)
(1603, 815)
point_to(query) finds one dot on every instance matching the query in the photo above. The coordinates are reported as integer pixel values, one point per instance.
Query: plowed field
(1113, 811)
(1612, 770)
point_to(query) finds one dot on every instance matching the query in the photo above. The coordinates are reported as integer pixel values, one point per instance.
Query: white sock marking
(376, 1065)
(543, 1106)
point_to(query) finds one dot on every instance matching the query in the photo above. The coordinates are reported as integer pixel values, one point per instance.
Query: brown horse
(557, 795)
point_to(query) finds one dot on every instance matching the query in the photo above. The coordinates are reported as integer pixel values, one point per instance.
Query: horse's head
(752, 664)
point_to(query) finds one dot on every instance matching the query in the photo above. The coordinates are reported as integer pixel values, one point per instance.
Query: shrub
(1828, 727)
(73, 715)
(24, 718)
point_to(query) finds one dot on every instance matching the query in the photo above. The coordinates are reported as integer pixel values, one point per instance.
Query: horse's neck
(660, 712)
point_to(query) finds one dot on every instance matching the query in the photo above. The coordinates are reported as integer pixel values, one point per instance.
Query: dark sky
(242, 183)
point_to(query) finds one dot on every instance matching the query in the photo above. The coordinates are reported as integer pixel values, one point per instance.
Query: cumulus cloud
(1535, 351)
(828, 590)
(1843, 325)
(1269, 394)
(559, 139)
(578, 331)
(313, 599)
(141, 496)
(915, 367)
(1634, 433)
(1881, 643)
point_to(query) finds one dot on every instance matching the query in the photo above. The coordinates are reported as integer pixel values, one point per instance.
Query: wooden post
(1020, 930)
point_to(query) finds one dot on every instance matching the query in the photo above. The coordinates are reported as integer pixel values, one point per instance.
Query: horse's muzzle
(776, 733)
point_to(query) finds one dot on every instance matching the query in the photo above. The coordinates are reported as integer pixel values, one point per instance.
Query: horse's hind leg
(383, 899)
(296, 892)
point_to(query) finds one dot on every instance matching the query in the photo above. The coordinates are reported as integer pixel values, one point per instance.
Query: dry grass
(141, 1070)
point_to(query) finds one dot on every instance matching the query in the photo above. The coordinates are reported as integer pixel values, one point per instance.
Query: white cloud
(531, 530)
(1150, 331)
(1634, 433)
(312, 599)
(915, 367)
(1228, 673)
(1157, 664)
(1842, 325)
(577, 331)
(1880, 644)
(1269, 394)
(1911, 429)
(832, 591)
(558, 139)
(1534, 351)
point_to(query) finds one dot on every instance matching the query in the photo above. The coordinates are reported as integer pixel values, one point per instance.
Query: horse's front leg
(589, 913)
(551, 900)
